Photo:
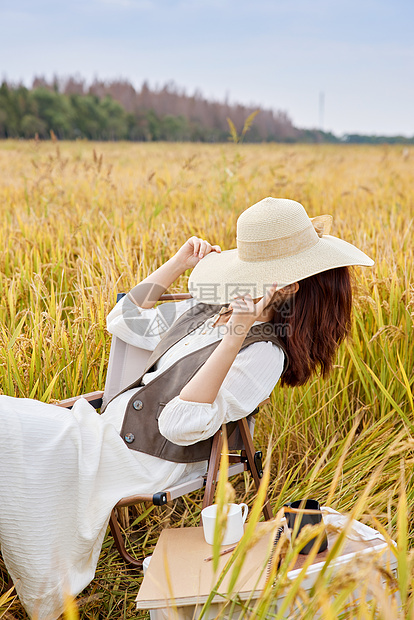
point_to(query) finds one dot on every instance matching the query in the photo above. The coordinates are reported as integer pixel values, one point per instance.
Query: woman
(63, 471)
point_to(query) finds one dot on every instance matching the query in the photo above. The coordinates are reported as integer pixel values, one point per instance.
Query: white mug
(236, 517)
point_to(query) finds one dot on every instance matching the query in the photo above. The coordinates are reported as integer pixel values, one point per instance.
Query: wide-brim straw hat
(276, 242)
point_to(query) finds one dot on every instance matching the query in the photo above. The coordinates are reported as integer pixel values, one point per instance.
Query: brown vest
(140, 425)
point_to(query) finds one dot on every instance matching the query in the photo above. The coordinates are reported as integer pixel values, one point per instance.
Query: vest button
(129, 437)
(137, 405)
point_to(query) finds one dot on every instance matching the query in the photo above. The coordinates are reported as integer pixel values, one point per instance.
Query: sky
(355, 55)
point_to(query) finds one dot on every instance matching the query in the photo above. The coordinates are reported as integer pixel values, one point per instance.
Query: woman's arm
(147, 293)
(134, 320)
(144, 328)
(204, 386)
(251, 378)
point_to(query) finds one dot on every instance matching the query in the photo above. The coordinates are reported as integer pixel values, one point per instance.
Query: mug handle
(245, 510)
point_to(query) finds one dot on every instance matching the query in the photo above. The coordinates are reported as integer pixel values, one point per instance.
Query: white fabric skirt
(61, 473)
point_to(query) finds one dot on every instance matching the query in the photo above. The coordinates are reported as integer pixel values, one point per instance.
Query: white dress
(62, 471)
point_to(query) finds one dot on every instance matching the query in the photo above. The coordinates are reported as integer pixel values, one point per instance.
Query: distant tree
(364, 139)
(54, 110)
(175, 128)
(32, 125)
(114, 119)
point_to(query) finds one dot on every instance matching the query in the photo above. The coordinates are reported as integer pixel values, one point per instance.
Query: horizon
(197, 92)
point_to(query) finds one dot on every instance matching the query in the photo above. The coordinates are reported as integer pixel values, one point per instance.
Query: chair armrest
(175, 296)
(94, 398)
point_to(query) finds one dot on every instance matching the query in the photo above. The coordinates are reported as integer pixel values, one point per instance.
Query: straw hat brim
(219, 276)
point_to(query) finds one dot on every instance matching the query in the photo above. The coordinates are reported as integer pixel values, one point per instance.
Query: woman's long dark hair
(313, 322)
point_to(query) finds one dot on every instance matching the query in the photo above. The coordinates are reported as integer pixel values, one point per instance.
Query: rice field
(83, 221)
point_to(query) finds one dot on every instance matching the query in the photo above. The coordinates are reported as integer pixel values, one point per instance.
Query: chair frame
(247, 459)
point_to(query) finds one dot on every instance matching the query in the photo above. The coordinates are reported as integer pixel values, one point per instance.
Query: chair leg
(249, 449)
(213, 466)
(119, 541)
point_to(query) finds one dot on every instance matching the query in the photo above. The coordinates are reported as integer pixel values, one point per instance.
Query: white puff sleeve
(251, 378)
(141, 327)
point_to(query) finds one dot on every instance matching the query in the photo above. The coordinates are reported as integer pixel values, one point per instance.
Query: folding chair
(124, 364)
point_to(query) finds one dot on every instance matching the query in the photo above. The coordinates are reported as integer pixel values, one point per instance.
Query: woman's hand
(203, 387)
(148, 292)
(193, 251)
(246, 312)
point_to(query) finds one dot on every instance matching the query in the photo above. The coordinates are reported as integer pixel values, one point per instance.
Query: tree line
(115, 110)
